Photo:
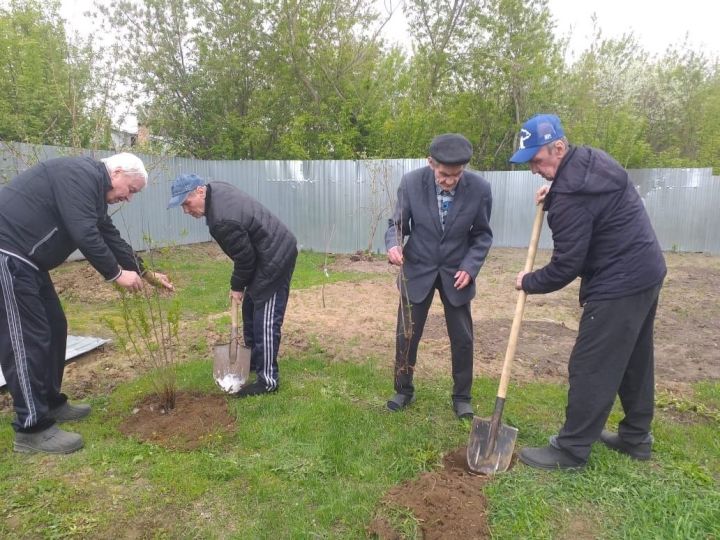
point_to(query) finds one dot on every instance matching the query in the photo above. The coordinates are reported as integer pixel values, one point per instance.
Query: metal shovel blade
(231, 371)
(487, 454)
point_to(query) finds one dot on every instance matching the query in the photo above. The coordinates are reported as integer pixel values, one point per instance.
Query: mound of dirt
(448, 503)
(197, 420)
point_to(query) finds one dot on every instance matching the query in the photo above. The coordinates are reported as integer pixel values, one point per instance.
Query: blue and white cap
(534, 134)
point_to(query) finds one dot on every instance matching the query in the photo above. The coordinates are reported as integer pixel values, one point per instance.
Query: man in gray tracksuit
(263, 251)
(46, 213)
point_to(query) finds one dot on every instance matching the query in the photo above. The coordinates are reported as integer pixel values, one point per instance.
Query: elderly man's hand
(156, 279)
(237, 296)
(541, 193)
(395, 255)
(130, 280)
(518, 280)
(462, 279)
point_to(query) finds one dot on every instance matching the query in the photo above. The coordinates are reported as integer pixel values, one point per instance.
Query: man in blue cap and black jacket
(263, 251)
(602, 234)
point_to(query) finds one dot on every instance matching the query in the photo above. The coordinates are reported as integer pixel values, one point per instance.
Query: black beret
(451, 149)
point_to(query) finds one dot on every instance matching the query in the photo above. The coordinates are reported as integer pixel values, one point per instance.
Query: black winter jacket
(601, 231)
(58, 206)
(262, 248)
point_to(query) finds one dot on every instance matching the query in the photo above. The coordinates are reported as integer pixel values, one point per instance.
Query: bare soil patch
(359, 321)
(197, 420)
(447, 503)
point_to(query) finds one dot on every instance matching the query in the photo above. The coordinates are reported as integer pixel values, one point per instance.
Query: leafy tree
(47, 84)
(256, 79)
(673, 101)
(517, 69)
(600, 99)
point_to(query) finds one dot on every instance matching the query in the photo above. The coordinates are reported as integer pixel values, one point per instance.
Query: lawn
(317, 459)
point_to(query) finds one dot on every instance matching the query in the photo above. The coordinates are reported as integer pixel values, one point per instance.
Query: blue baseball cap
(183, 186)
(534, 134)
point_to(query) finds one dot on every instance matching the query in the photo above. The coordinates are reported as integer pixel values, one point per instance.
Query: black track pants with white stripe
(33, 335)
(262, 323)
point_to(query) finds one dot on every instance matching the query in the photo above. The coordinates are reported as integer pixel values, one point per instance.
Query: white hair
(127, 163)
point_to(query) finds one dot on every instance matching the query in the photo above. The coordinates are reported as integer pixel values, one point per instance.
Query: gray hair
(551, 145)
(127, 163)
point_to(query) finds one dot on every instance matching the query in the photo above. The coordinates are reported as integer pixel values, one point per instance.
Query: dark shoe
(399, 401)
(640, 451)
(549, 457)
(53, 440)
(254, 389)
(69, 413)
(463, 410)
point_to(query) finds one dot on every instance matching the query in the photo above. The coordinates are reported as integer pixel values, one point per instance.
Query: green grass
(202, 286)
(315, 460)
(673, 496)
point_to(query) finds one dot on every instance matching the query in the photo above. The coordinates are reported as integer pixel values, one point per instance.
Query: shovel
(491, 443)
(231, 366)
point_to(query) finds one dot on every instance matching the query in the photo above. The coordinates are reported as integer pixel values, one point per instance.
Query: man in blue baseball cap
(263, 251)
(182, 187)
(540, 130)
(602, 234)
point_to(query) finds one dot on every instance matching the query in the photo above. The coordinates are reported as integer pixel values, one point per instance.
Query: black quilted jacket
(262, 248)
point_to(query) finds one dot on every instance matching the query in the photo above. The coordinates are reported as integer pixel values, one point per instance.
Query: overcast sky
(655, 23)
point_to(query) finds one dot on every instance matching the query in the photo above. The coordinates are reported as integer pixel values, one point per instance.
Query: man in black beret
(443, 211)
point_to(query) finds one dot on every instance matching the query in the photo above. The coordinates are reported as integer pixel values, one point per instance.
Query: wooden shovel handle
(234, 334)
(234, 309)
(520, 306)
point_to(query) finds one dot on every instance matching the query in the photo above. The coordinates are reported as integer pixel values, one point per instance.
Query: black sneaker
(551, 458)
(463, 410)
(254, 389)
(640, 451)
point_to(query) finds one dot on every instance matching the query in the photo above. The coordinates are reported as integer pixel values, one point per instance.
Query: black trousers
(613, 355)
(460, 330)
(262, 325)
(33, 336)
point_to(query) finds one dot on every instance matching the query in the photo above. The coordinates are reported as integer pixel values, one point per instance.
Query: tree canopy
(49, 93)
(315, 79)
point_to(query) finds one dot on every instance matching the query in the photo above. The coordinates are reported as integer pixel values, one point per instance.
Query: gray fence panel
(683, 207)
(712, 230)
(343, 206)
(514, 208)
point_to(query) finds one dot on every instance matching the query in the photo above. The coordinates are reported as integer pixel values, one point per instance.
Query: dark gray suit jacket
(429, 250)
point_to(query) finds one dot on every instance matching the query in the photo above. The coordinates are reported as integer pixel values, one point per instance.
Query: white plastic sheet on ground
(76, 345)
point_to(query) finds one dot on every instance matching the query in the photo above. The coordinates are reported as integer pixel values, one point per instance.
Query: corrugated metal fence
(336, 205)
